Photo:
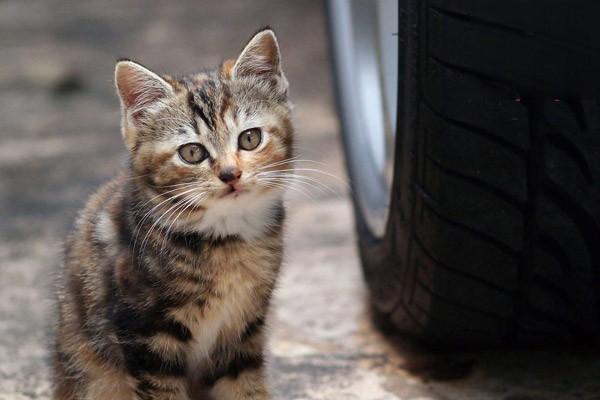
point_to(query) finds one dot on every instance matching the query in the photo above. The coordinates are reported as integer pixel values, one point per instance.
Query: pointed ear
(140, 91)
(261, 58)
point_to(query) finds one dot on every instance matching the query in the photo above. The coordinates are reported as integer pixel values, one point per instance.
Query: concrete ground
(59, 140)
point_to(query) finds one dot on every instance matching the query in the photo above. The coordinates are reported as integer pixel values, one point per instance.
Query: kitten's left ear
(261, 59)
(141, 91)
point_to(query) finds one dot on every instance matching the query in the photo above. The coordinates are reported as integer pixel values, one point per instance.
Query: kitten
(169, 271)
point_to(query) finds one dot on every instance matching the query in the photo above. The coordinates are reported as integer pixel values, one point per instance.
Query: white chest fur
(247, 216)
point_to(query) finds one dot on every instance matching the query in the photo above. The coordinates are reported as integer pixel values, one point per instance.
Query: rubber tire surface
(494, 229)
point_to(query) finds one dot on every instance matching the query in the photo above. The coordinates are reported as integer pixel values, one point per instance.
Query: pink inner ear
(260, 57)
(139, 93)
(264, 64)
(139, 90)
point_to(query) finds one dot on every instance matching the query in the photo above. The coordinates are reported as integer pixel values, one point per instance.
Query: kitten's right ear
(261, 59)
(141, 92)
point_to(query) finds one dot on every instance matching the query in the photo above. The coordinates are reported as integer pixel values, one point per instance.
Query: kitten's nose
(230, 175)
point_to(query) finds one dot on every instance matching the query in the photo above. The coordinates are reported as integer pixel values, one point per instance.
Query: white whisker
(284, 185)
(307, 179)
(185, 205)
(315, 171)
(290, 161)
(163, 193)
(139, 225)
(299, 182)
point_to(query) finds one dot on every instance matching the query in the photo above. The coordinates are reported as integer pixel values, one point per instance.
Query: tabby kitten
(169, 271)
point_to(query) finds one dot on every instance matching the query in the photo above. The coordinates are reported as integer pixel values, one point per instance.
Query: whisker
(312, 185)
(166, 214)
(179, 187)
(290, 161)
(162, 228)
(154, 225)
(293, 175)
(186, 204)
(139, 224)
(337, 178)
(275, 185)
(285, 185)
(199, 184)
(276, 163)
(163, 193)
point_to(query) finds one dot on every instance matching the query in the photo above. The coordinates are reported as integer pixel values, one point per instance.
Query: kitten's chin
(248, 214)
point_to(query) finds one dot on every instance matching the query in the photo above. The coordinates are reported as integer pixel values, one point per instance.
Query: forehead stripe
(207, 99)
(199, 111)
(226, 102)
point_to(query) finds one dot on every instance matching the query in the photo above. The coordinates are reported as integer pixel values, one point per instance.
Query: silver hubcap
(366, 48)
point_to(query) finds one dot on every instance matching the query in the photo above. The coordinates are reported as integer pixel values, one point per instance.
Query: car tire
(493, 231)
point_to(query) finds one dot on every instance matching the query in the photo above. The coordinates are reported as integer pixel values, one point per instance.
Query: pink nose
(230, 175)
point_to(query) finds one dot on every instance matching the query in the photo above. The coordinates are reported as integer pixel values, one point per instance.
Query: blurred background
(60, 139)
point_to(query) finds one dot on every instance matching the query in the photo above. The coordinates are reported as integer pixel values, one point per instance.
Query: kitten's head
(210, 141)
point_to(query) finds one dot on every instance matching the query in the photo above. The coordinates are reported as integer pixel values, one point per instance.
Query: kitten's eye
(250, 139)
(192, 153)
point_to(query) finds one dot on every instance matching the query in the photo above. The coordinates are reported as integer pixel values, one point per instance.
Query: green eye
(192, 153)
(250, 139)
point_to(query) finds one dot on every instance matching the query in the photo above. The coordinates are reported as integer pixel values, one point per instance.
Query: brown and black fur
(148, 313)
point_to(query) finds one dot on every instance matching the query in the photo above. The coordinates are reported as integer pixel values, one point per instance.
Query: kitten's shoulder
(97, 222)
(106, 198)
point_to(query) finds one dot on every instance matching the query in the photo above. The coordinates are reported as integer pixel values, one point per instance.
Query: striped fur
(168, 275)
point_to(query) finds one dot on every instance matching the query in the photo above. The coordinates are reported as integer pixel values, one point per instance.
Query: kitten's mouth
(233, 192)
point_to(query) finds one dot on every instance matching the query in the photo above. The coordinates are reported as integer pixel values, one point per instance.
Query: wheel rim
(367, 84)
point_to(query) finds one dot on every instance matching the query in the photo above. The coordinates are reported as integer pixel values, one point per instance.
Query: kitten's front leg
(159, 387)
(159, 375)
(239, 373)
(249, 384)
